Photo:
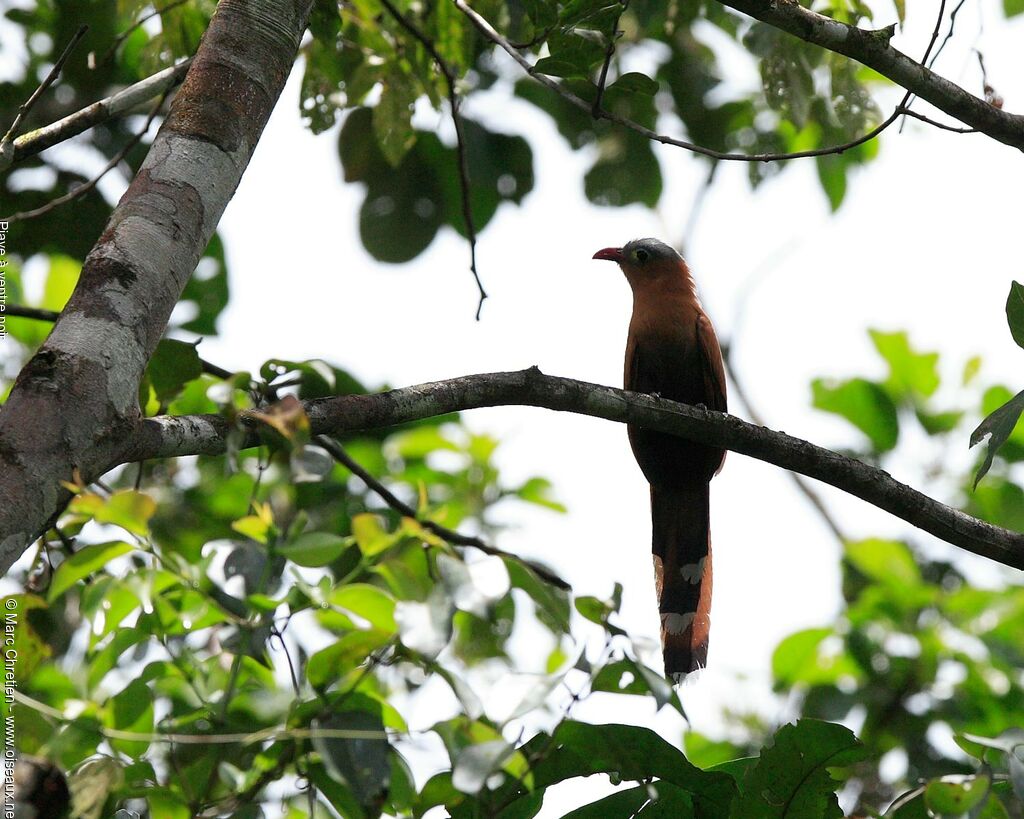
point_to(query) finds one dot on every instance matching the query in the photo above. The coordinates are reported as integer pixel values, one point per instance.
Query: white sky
(928, 240)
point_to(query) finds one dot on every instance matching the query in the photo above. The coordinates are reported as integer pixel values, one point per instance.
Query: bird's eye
(642, 255)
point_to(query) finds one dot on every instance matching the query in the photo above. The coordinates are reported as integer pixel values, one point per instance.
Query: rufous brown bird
(672, 351)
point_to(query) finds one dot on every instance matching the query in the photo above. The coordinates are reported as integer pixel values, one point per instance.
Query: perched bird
(672, 351)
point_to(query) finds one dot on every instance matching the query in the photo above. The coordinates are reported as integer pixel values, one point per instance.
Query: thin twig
(595, 109)
(123, 101)
(941, 125)
(488, 31)
(908, 98)
(460, 140)
(84, 188)
(37, 313)
(51, 77)
(341, 456)
(124, 35)
(949, 34)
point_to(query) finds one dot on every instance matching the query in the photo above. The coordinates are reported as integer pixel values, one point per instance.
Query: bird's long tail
(681, 544)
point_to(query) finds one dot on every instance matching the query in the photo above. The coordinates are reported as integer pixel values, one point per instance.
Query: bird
(672, 352)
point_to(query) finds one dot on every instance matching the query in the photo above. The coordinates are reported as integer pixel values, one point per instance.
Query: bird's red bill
(611, 254)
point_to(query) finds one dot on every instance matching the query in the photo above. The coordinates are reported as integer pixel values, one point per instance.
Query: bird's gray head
(641, 251)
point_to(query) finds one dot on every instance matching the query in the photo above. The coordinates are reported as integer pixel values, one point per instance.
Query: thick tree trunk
(74, 407)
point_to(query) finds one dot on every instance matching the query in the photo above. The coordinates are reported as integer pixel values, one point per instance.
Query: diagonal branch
(166, 437)
(87, 186)
(49, 80)
(451, 535)
(873, 50)
(490, 33)
(123, 101)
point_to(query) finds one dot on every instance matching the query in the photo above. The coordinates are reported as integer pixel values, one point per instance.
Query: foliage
(214, 635)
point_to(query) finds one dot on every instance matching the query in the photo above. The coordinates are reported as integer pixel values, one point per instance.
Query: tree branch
(166, 437)
(74, 405)
(490, 33)
(74, 124)
(87, 186)
(873, 50)
(51, 77)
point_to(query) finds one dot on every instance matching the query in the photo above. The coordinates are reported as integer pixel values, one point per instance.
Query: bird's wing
(713, 366)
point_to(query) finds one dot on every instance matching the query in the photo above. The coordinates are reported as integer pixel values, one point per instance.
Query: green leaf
(572, 56)
(956, 795)
(174, 364)
(392, 118)
(552, 603)
(901, 10)
(1015, 312)
(207, 290)
(656, 800)
(864, 404)
(635, 83)
(83, 563)
(370, 534)
(360, 760)
(801, 658)
(60, 281)
(374, 605)
(21, 634)
(630, 753)
(888, 562)
(1000, 425)
(626, 172)
(1011, 8)
(971, 368)
(351, 651)
(793, 777)
(910, 372)
(314, 549)
(538, 491)
(131, 710)
(832, 176)
(706, 753)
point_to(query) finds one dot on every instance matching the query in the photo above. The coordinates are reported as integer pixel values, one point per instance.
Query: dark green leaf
(626, 172)
(635, 83)
(174, 363)
(1015, 312)
(794, 776)
(652, 801)
(1000, 426)
(360, 760)
(131, 710)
